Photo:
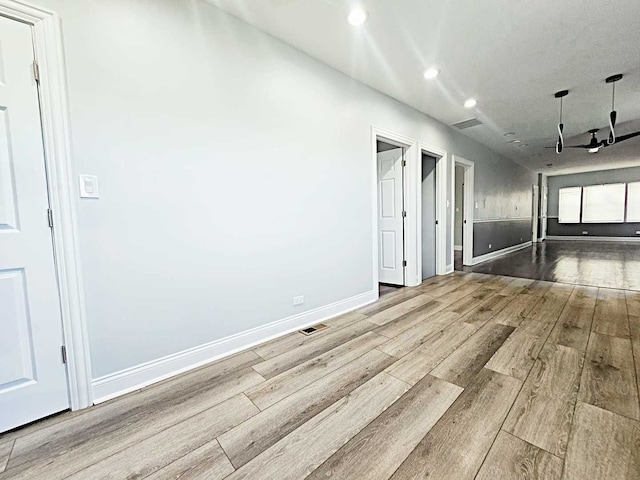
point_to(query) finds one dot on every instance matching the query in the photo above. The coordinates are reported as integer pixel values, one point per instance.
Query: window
(633, 202)
(603, 203)
(569, 205)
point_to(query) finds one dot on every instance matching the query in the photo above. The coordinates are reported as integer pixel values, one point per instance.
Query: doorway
(534, 213)
(543, 212)
(429, 215)
(391, 212)
(33, 377)
(462, 185)
(458, 217)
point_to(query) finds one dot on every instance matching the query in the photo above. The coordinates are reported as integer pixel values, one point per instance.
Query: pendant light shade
(613, 115)
(560, 143)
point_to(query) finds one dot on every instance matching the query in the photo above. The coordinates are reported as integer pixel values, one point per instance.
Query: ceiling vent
(472, 122)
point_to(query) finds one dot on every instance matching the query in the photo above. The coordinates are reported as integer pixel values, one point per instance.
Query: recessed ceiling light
(509, 134)
(515, 141)
(430, 73)
(470, 103)
(357, 17)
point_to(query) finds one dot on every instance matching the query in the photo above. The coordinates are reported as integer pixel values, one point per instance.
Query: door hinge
(404, 163)
(50, 217)
(63, 351)
(436, 222)
(36, 71)
(404, 213)
(404, 263)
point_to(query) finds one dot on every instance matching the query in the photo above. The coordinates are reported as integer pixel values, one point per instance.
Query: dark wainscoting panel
(594, 229)
(500, 234)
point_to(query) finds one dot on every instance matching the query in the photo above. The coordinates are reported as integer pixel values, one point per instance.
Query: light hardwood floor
(466, 376)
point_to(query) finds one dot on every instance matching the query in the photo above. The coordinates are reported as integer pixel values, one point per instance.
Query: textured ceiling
(511, 55)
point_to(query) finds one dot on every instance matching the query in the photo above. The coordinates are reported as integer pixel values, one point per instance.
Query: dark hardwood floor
(598, 264)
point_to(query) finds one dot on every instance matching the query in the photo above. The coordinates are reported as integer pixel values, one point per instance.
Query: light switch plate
(88, 186)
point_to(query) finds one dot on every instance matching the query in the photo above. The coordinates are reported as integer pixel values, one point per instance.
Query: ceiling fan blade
(622, 138)
(612, 124)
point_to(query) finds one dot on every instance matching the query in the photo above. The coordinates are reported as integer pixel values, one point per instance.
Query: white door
(33, 380)
(534, 223)
(543, 210)
(390, 219)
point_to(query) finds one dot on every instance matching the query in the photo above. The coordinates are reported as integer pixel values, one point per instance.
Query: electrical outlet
(637, 232)
(298, 300)
(584, 232)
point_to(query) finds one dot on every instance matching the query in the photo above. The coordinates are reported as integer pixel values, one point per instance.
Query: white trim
(500, 253)
(441, 206)
(134, 378)
(411, 223)
(468, 200)
(442, 173)
(587, 238)
(457, 248)
(54, 109)
(491, 220)
(535, 207)
(544, 206)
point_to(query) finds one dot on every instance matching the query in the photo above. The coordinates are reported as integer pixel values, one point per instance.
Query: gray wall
(384, 146)
(459, 205)
(622, 175)
(504, 213)
(428, 216)
(500, 234)
(204, 134)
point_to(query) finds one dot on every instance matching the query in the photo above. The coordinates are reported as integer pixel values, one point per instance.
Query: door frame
(408, 145)
(441, 206)
(413, 204)
(535, 207)
(469, 205)
(544, 206)
(54, 111)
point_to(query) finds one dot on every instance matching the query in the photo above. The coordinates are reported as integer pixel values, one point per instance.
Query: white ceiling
(511, 55)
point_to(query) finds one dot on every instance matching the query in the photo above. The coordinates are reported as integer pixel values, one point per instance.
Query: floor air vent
(472, 122)
(313, 329)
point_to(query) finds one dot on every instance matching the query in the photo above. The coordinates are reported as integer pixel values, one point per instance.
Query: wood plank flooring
(465, 376)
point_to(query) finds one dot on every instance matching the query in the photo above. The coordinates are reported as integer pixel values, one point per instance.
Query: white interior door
(33, 380)
(535, 203)
(390, 218)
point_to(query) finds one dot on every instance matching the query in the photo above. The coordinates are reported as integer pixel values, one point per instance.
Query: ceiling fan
(595, 145)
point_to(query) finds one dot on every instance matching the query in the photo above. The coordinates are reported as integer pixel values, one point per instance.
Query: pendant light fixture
(612, 116)
(560, 143)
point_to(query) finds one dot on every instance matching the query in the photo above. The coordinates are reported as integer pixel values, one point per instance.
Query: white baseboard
(500, 253)
(131, 379)
(587, 238)
(457, 248)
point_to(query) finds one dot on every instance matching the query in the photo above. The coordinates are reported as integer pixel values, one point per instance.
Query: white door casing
(390, 217)
(535, 203)
(469, 205)
(543, 209)
(33, 381)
